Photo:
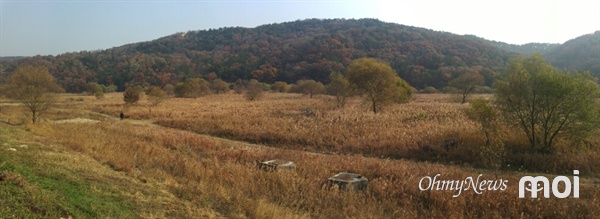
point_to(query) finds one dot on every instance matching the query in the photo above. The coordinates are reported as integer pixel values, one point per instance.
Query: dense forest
(525, 49)
(581, 54)
(305, 49)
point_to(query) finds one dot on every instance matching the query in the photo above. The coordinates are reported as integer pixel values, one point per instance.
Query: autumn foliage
(308, 49)
(378, 83)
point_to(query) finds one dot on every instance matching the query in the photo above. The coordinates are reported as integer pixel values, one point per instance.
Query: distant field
(196, 158)
(418, 130)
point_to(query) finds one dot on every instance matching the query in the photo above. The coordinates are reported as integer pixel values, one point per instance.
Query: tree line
(547, 104)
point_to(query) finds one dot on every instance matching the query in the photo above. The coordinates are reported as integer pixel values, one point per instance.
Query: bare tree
(35, 87)
(466, 83)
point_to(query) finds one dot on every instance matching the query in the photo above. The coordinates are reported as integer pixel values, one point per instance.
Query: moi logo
(541, 183)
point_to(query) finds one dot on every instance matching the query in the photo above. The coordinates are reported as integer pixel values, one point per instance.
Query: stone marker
(276, 165)
(349, 181)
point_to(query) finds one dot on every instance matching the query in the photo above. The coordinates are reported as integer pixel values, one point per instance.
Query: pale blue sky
(51, 27)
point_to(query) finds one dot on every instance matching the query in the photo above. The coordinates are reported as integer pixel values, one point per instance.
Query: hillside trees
(579, 54)
(378, 83)
(547, 103)
(266, 73)
(34, 87)
(286, 52)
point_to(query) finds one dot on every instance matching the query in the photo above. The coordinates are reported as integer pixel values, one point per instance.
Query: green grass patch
(32, 186)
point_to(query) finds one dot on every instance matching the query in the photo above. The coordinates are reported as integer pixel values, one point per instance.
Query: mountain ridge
(289, 51)
(579, 54)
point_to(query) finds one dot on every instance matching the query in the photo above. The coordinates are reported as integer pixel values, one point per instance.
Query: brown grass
(418, 130)
(218, 174)
(291, 121)
(221, 175)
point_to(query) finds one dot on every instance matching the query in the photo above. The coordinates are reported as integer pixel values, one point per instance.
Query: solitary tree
(254, 90)
(492, 151)
(35, 88)
(378, 82)
(95, 89)
(309, 87)
(466, 83)
(340, 88)
(547, 103)
(156, 95)
(131, 95)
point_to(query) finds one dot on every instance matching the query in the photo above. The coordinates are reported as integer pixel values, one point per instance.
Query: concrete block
(349, 181)
(277, 164)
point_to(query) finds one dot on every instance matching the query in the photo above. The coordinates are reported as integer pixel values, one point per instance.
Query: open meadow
(197, 158)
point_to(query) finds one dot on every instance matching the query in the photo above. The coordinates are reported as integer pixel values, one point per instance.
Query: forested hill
(581, 54)
(306, 49)
(525, 49)
(9, 58)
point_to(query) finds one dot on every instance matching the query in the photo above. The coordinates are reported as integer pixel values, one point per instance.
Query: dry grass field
(196, 158)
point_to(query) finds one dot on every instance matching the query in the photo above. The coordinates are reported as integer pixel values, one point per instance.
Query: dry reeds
(220, 174)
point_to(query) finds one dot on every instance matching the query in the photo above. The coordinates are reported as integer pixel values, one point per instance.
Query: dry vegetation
(292, 121)
(200, 176)
(419, 130)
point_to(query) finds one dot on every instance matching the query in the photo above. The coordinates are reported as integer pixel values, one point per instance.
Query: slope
(151, 171)
(304, 49)
(41, 180)
(525, 49)
(581, 54)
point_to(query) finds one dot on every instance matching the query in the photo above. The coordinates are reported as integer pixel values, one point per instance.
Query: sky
(52, 27)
